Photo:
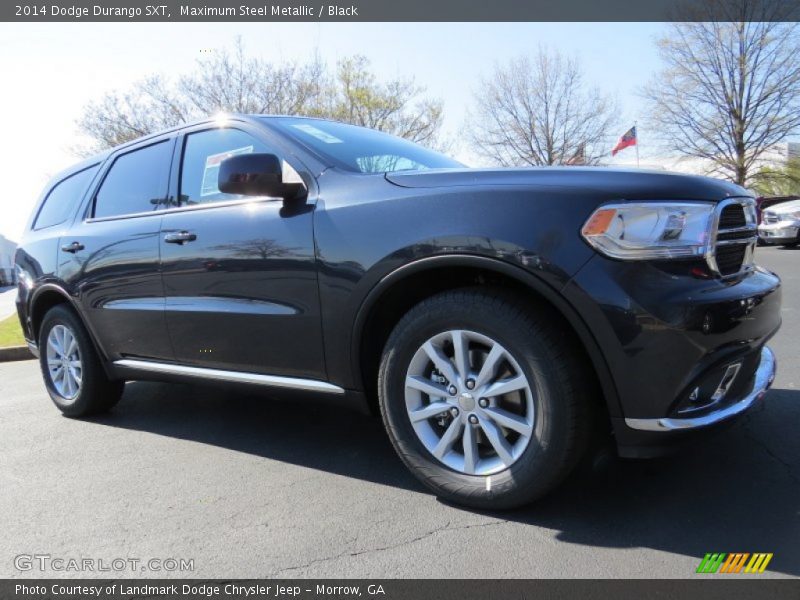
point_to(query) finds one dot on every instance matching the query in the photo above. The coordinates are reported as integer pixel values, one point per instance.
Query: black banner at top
(399, 10)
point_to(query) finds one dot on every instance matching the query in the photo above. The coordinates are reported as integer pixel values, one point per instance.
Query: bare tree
(539, 111)
(235, 82)
(232, 81)
(123, 116)
(730, 87)
(356, 96)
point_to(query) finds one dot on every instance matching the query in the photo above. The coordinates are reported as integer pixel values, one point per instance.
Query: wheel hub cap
(466, 401)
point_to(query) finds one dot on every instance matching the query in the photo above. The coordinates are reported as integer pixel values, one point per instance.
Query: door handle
(180, 237)
(72, 248)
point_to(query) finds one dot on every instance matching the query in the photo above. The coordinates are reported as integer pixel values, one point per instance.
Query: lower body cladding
(686, 355)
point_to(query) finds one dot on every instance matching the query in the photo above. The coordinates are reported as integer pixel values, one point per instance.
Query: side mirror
(256, 175)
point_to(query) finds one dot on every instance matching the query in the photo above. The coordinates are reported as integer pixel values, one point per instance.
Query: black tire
(96, 393)
(553, 365)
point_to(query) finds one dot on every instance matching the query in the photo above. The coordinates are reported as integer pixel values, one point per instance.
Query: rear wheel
(483, 398)
(71, 369)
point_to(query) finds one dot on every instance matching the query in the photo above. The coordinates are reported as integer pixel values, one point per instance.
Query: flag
(628, 139)
(579, 158)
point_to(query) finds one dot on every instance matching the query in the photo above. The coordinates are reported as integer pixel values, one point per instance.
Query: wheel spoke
(67, 342)
(505, 386)
(470, 449)
(498, 442)
(434, 390)
(448, 439)
(53, 363)
(441, 361)
(490, 365)
(75, 376)
(428, 411)
(509, 420)
(73, 346)
(68, 391)
(52, 342)
(63, 340)
(461, 353)
(57, 373)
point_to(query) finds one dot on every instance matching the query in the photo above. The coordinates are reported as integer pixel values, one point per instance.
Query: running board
(295, 383)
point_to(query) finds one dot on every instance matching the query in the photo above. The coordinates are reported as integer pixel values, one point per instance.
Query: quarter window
(63, 197)
(136, 182)
(203, 153)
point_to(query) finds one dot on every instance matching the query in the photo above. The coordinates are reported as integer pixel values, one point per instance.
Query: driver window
(202, 153)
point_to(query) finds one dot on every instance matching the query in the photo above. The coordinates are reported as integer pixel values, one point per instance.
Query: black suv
(497, 318)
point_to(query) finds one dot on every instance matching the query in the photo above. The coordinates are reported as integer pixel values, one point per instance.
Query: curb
(15, 353)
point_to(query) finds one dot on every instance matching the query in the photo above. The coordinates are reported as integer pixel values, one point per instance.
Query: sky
(50, 71)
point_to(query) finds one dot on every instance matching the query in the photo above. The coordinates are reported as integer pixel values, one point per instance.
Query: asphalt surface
(247, 486)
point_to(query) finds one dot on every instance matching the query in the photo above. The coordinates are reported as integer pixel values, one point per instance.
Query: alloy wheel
(64, 362)
(469, 402)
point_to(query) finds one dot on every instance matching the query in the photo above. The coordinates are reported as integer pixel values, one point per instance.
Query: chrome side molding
(295, 383)
(765, 375)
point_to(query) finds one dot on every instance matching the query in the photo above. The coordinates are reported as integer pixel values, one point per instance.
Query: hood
(621, 183)
(785, 207)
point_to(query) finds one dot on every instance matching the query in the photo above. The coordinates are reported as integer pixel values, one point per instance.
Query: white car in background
(780, 224)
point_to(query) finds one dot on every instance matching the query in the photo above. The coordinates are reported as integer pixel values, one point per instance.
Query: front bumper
(668, 341)
(783, 232)
(764, 376)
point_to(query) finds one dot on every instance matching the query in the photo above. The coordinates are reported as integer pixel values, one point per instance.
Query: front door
(239, 273)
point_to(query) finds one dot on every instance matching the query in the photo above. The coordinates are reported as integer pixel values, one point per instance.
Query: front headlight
(650, 230)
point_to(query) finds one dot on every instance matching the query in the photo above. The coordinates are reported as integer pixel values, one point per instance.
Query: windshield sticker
(209, 186)
(318, 133)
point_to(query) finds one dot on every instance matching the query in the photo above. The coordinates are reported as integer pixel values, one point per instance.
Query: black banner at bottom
(727, 588)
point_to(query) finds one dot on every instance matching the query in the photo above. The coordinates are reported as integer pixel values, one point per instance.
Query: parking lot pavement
(250, 487)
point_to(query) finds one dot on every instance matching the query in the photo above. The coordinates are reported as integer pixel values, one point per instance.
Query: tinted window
(360, 149)
(62, 199)
(137, 182)
(203, 153)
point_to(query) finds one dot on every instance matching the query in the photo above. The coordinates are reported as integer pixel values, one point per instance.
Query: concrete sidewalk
(8, 297)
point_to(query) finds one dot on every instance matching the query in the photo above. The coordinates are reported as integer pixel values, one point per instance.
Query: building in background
(7, 249)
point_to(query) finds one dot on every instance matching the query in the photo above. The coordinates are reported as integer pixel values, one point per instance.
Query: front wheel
(484, 398)
(71, 369)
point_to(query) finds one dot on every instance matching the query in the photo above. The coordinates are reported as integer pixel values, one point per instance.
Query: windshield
(360, 149)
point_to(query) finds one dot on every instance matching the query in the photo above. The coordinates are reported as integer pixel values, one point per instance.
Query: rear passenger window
(136, 182)
(203, 153)
(63, 197)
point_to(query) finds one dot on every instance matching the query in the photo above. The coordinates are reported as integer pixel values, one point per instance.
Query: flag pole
(636, 126)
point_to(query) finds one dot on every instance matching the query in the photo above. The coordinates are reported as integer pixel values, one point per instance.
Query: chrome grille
(734, 237)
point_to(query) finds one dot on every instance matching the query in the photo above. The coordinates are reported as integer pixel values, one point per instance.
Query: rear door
(110, 256)
(239, 272)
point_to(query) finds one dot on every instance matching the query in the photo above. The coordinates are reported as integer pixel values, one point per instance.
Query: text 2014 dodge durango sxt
(496, 317)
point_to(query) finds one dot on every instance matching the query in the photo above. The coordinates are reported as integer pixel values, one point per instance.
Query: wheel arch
(46, 297)
(401, 289)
